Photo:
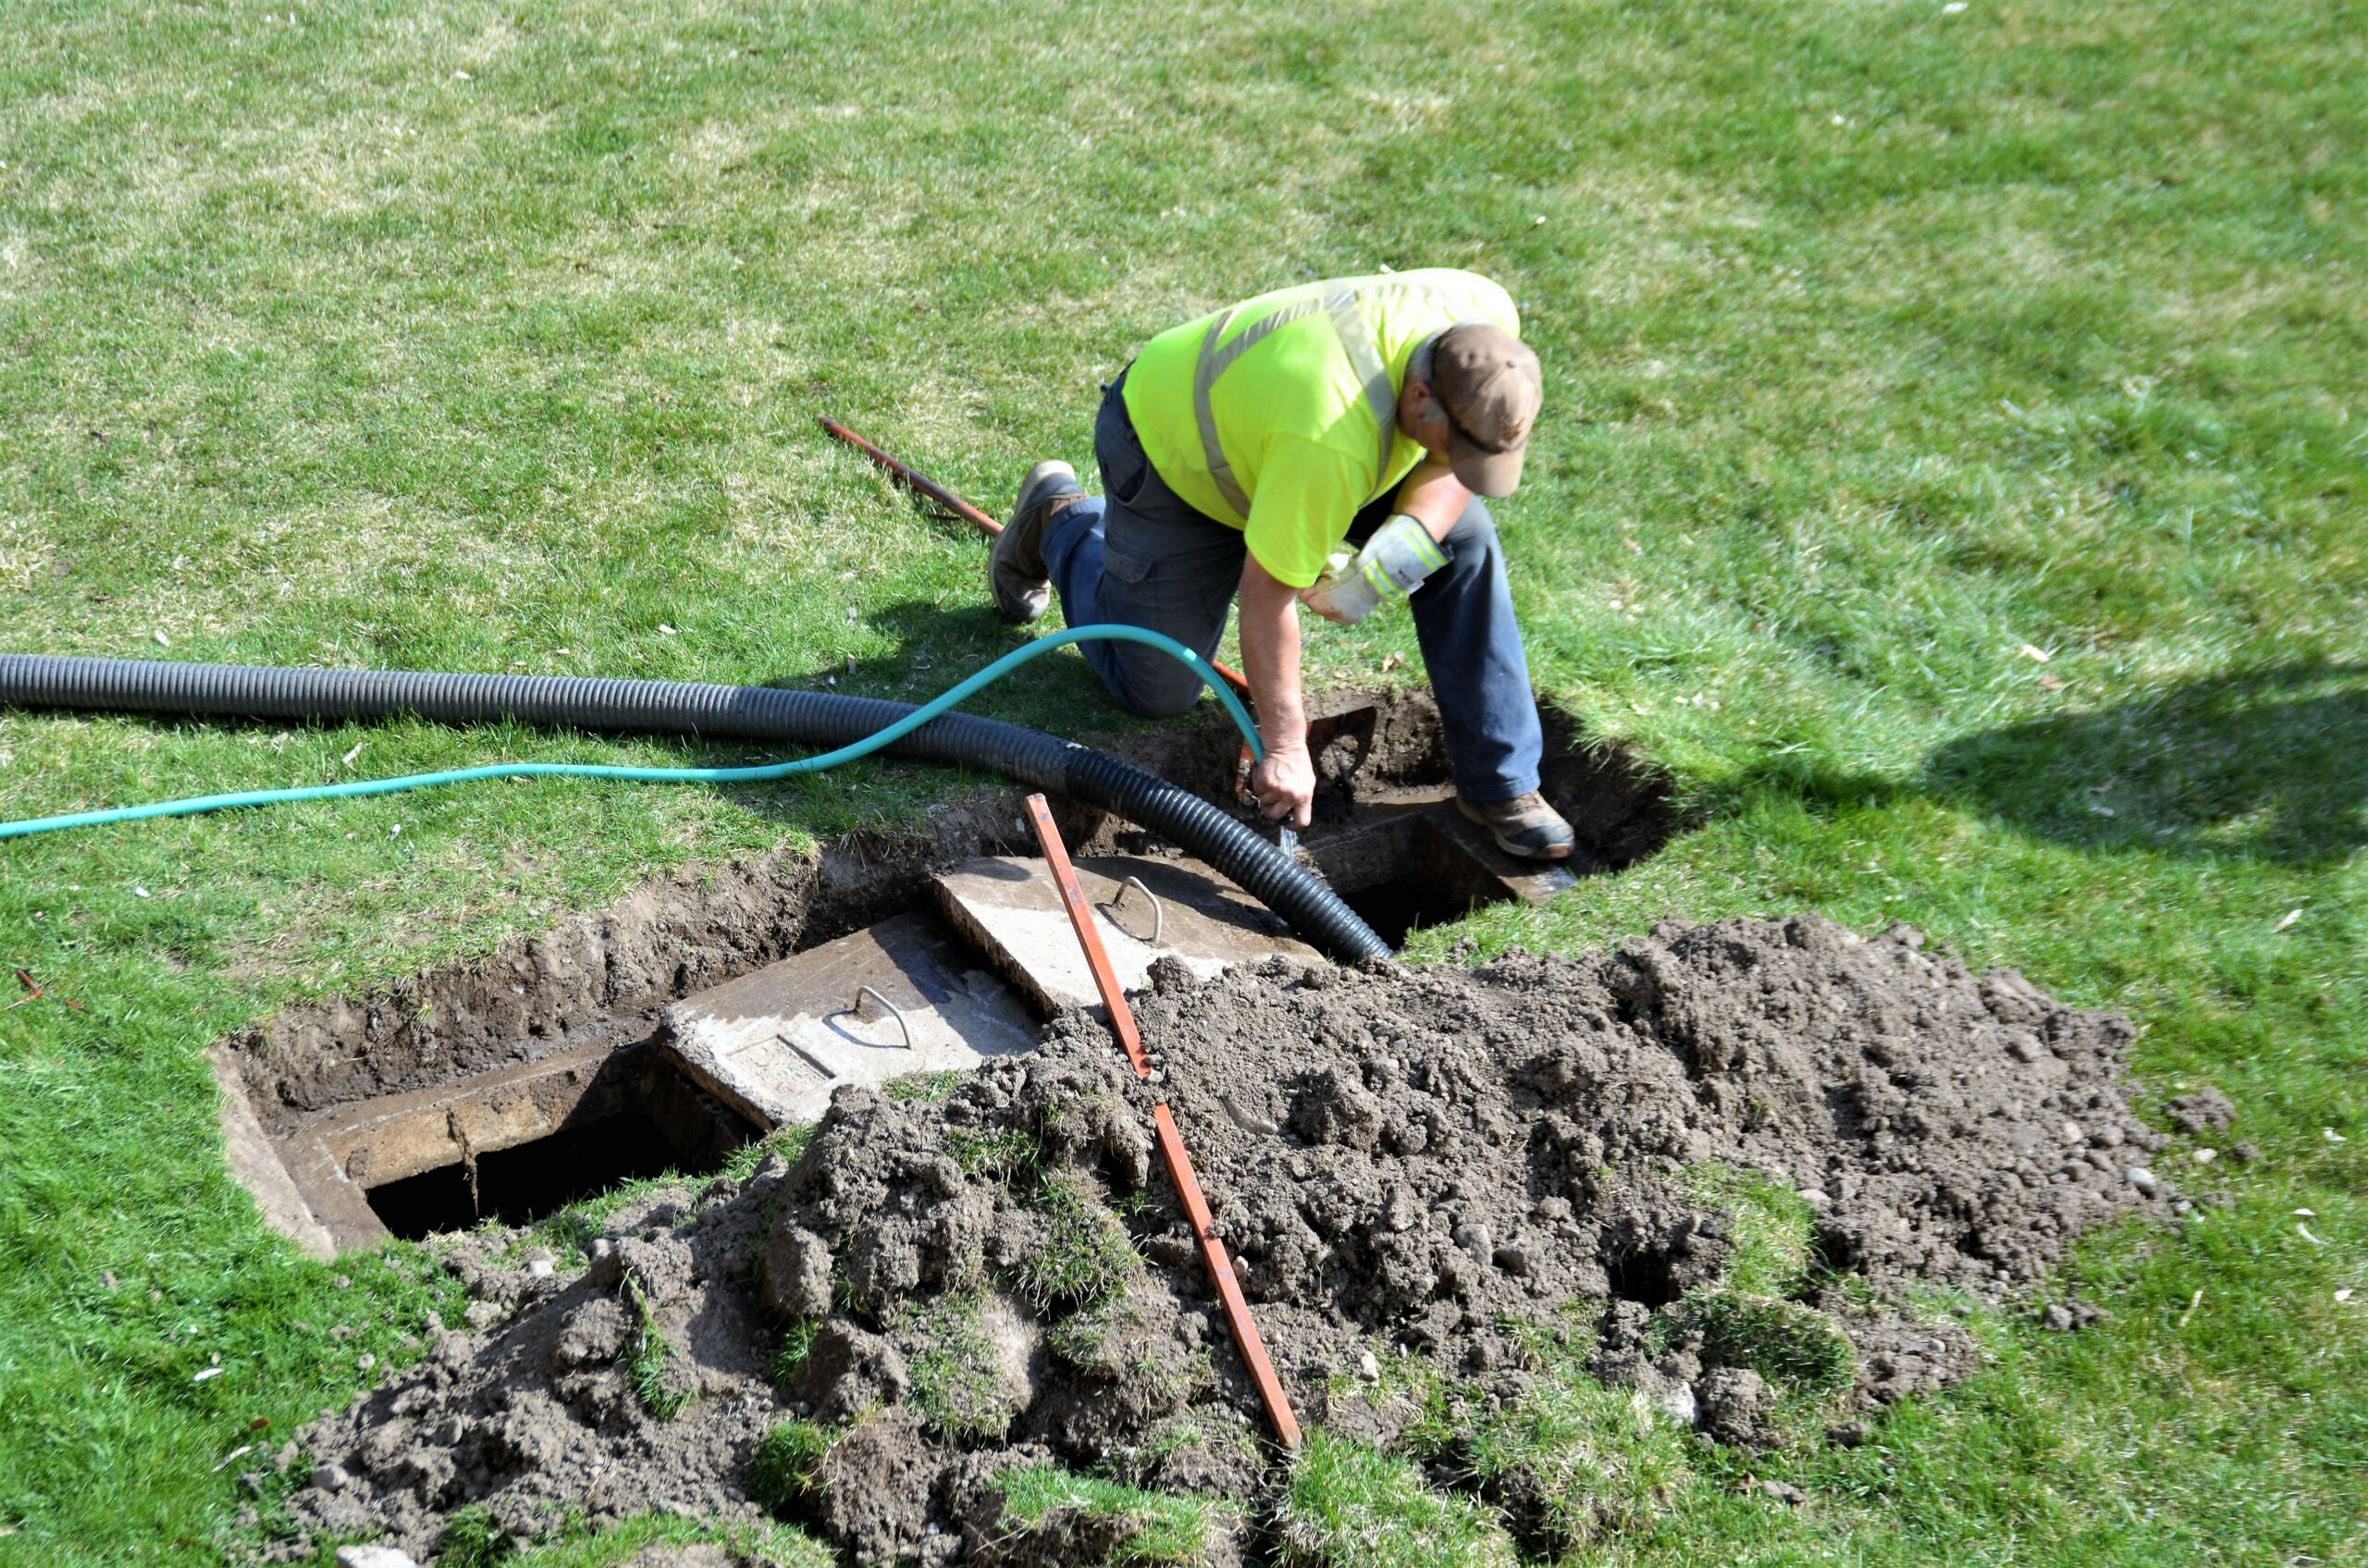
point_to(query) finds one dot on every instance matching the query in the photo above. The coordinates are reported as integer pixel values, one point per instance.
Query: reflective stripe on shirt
(1357, 340)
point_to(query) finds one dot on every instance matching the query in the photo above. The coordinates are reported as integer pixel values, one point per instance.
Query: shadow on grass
(2263, 765)
(936, 645)
(2266, 765)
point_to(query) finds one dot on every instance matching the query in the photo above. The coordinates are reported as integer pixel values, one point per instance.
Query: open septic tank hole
(1398, 909)
(542, 1074)
(532, 1181)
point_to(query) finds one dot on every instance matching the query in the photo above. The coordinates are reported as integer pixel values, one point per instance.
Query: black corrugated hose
(712, 712)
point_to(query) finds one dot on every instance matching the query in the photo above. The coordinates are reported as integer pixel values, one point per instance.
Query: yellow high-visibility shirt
(1279, 416)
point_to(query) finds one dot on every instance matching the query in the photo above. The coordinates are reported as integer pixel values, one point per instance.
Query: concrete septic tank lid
(776, 1044)
(1010, 908)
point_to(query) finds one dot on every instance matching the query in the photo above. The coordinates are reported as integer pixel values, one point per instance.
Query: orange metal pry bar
(1171, 1141)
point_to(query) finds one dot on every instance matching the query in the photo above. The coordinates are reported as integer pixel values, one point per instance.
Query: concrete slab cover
(776, 1044)
(1010, 908)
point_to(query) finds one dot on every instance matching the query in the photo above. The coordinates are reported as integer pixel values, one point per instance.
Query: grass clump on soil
(1008, 1156)
(1569, 1461)
(788, 1142)
(1795, 1347)
(791, 1349)
(653, 1360)
(471, 1539)
(1085, 1256)
(1129, 1527)
(618, 1545)
(1771, 1228)
(924, 1088)
(1747, 1318)
(1351, 1506)
(1098, 1339)
(1574, 1459)
(787, 1465)
(957, 1389)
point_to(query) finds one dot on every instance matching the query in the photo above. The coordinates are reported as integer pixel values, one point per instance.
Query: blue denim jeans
(1137, 554)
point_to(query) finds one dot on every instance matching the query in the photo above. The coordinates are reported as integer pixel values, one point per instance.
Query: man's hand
(1284, 783)
(1317, 601)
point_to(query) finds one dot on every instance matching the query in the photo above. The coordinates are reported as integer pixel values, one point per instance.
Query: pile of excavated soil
(1408, 1162)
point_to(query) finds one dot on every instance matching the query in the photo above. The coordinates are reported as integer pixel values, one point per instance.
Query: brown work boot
(1524, 825)
(1015, 566)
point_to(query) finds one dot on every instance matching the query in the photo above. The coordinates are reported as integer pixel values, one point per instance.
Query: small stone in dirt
(2205, 1156)
(482, 1316)
(2145, 1181)
(540, 1268)
(1247, 1121)
(1788, 1495)
(1369, 1366)
(2072, 1133)
(1472, 1239)
(372, 1557)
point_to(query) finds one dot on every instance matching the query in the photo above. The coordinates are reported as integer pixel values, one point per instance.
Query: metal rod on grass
(921, 484)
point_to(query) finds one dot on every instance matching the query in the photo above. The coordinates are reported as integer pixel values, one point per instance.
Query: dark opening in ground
(525, 1184)
(1644, 1277)
(1398, 907)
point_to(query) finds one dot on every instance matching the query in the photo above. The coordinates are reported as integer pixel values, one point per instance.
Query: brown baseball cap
(1488, 381)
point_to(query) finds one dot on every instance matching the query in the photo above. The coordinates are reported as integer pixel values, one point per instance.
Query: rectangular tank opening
(1398, 907)
(531, 1181)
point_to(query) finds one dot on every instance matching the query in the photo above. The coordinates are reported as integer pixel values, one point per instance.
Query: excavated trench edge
(549, 1020)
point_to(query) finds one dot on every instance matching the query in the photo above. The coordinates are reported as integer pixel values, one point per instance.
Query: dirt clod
(2207, 1110)
(1718, 1158)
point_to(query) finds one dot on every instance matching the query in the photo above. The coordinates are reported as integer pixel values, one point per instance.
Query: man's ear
(1416, 403)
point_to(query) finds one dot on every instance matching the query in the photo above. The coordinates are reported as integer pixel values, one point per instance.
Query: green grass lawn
(1952, 474)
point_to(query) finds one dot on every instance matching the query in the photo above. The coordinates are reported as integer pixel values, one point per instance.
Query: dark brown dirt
(1410, 1163)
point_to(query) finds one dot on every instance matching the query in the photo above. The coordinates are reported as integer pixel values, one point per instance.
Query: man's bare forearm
(1284, 779)
(1434, 497)
(1270, 657)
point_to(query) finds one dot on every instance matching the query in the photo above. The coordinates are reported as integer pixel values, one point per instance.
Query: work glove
(1393, 565)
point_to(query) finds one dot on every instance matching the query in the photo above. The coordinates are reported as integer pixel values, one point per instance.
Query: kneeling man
(1329, 445)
